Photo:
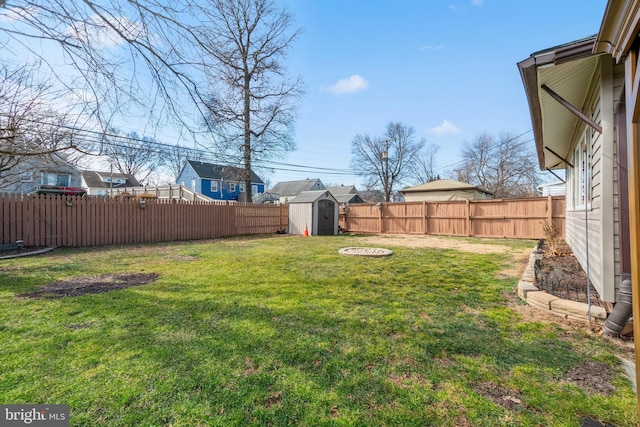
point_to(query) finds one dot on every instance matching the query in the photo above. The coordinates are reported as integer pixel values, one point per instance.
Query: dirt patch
(593, 376)
(91, 285)
(412, 241)
(502, 396)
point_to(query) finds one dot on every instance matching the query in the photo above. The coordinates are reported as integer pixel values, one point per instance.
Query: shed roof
(443, 185)
(312, 196)
(221, 172)
(292, 188)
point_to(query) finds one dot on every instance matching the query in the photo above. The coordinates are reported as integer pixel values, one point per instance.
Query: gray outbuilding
(315, 211)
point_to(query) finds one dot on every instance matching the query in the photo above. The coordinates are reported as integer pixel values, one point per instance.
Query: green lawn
(285, 331)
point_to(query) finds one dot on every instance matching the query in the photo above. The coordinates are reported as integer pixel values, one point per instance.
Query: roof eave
(529, 72)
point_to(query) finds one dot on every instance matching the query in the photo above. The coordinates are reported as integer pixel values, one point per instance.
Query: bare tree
(131, 154)
(386, 162)
(503, 165)
(28, 127)
(116, 56)
(252, 106)
(423, 169)
(175, 157)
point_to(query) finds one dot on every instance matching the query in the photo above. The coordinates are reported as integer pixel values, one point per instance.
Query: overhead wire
(108, 138)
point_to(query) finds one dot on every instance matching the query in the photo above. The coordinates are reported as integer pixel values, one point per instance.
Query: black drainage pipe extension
(621, 312)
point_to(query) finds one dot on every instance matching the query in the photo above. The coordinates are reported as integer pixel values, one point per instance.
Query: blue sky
(446, 68)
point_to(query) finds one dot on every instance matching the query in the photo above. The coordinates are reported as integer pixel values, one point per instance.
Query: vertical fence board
(510, 218)
(6, 219)
(45, 220)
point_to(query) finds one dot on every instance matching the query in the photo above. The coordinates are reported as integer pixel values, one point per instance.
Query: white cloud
(352, 84)
(477, 2)
(445, 128)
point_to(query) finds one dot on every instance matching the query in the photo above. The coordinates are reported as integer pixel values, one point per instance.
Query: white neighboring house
(286, 191)
(557, 188)
(51, 174)
(345, 195)
(444, 190)
(101, 183)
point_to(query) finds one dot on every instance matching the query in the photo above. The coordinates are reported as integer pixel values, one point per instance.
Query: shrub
(554, 238)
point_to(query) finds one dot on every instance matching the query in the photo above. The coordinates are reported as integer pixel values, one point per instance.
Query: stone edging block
(528, 291)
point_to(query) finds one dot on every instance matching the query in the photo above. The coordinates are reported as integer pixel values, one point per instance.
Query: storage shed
(316, 210)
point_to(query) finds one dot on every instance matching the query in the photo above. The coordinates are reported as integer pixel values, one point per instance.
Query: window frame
(56, 179)
(582, 172)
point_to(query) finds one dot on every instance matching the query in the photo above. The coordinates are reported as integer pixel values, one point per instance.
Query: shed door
(326, 217)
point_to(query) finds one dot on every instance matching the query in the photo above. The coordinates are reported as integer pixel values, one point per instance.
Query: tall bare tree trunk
(247, 135)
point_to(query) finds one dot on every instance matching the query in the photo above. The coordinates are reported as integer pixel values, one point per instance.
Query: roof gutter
(620, 23)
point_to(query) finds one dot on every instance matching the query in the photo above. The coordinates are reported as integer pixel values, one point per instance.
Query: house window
(242, 188)
(55, 179)
(214, 186)
(254, 189)
(582, 171)
(232, 187)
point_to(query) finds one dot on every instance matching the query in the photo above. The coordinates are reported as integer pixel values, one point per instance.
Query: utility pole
(385, 169)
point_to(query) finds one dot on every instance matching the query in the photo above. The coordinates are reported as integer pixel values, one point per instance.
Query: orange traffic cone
(306, 231)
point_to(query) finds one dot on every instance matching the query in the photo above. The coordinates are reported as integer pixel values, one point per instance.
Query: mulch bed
(560, 268)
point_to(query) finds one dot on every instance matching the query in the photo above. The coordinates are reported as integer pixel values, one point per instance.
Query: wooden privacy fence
(506, 218)
(93, 221)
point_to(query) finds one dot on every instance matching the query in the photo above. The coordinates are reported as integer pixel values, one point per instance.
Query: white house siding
(618, 90)
(300, 215)
(600, 212)
(444, 195)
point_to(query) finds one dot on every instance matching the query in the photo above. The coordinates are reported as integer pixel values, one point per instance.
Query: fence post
(425, 222)
(381, 219)
(468, 219)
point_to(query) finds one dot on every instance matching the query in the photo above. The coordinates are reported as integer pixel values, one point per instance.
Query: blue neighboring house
(219, 182)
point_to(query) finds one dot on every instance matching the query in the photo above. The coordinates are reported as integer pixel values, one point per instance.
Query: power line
(110, 139)
(107, 138)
